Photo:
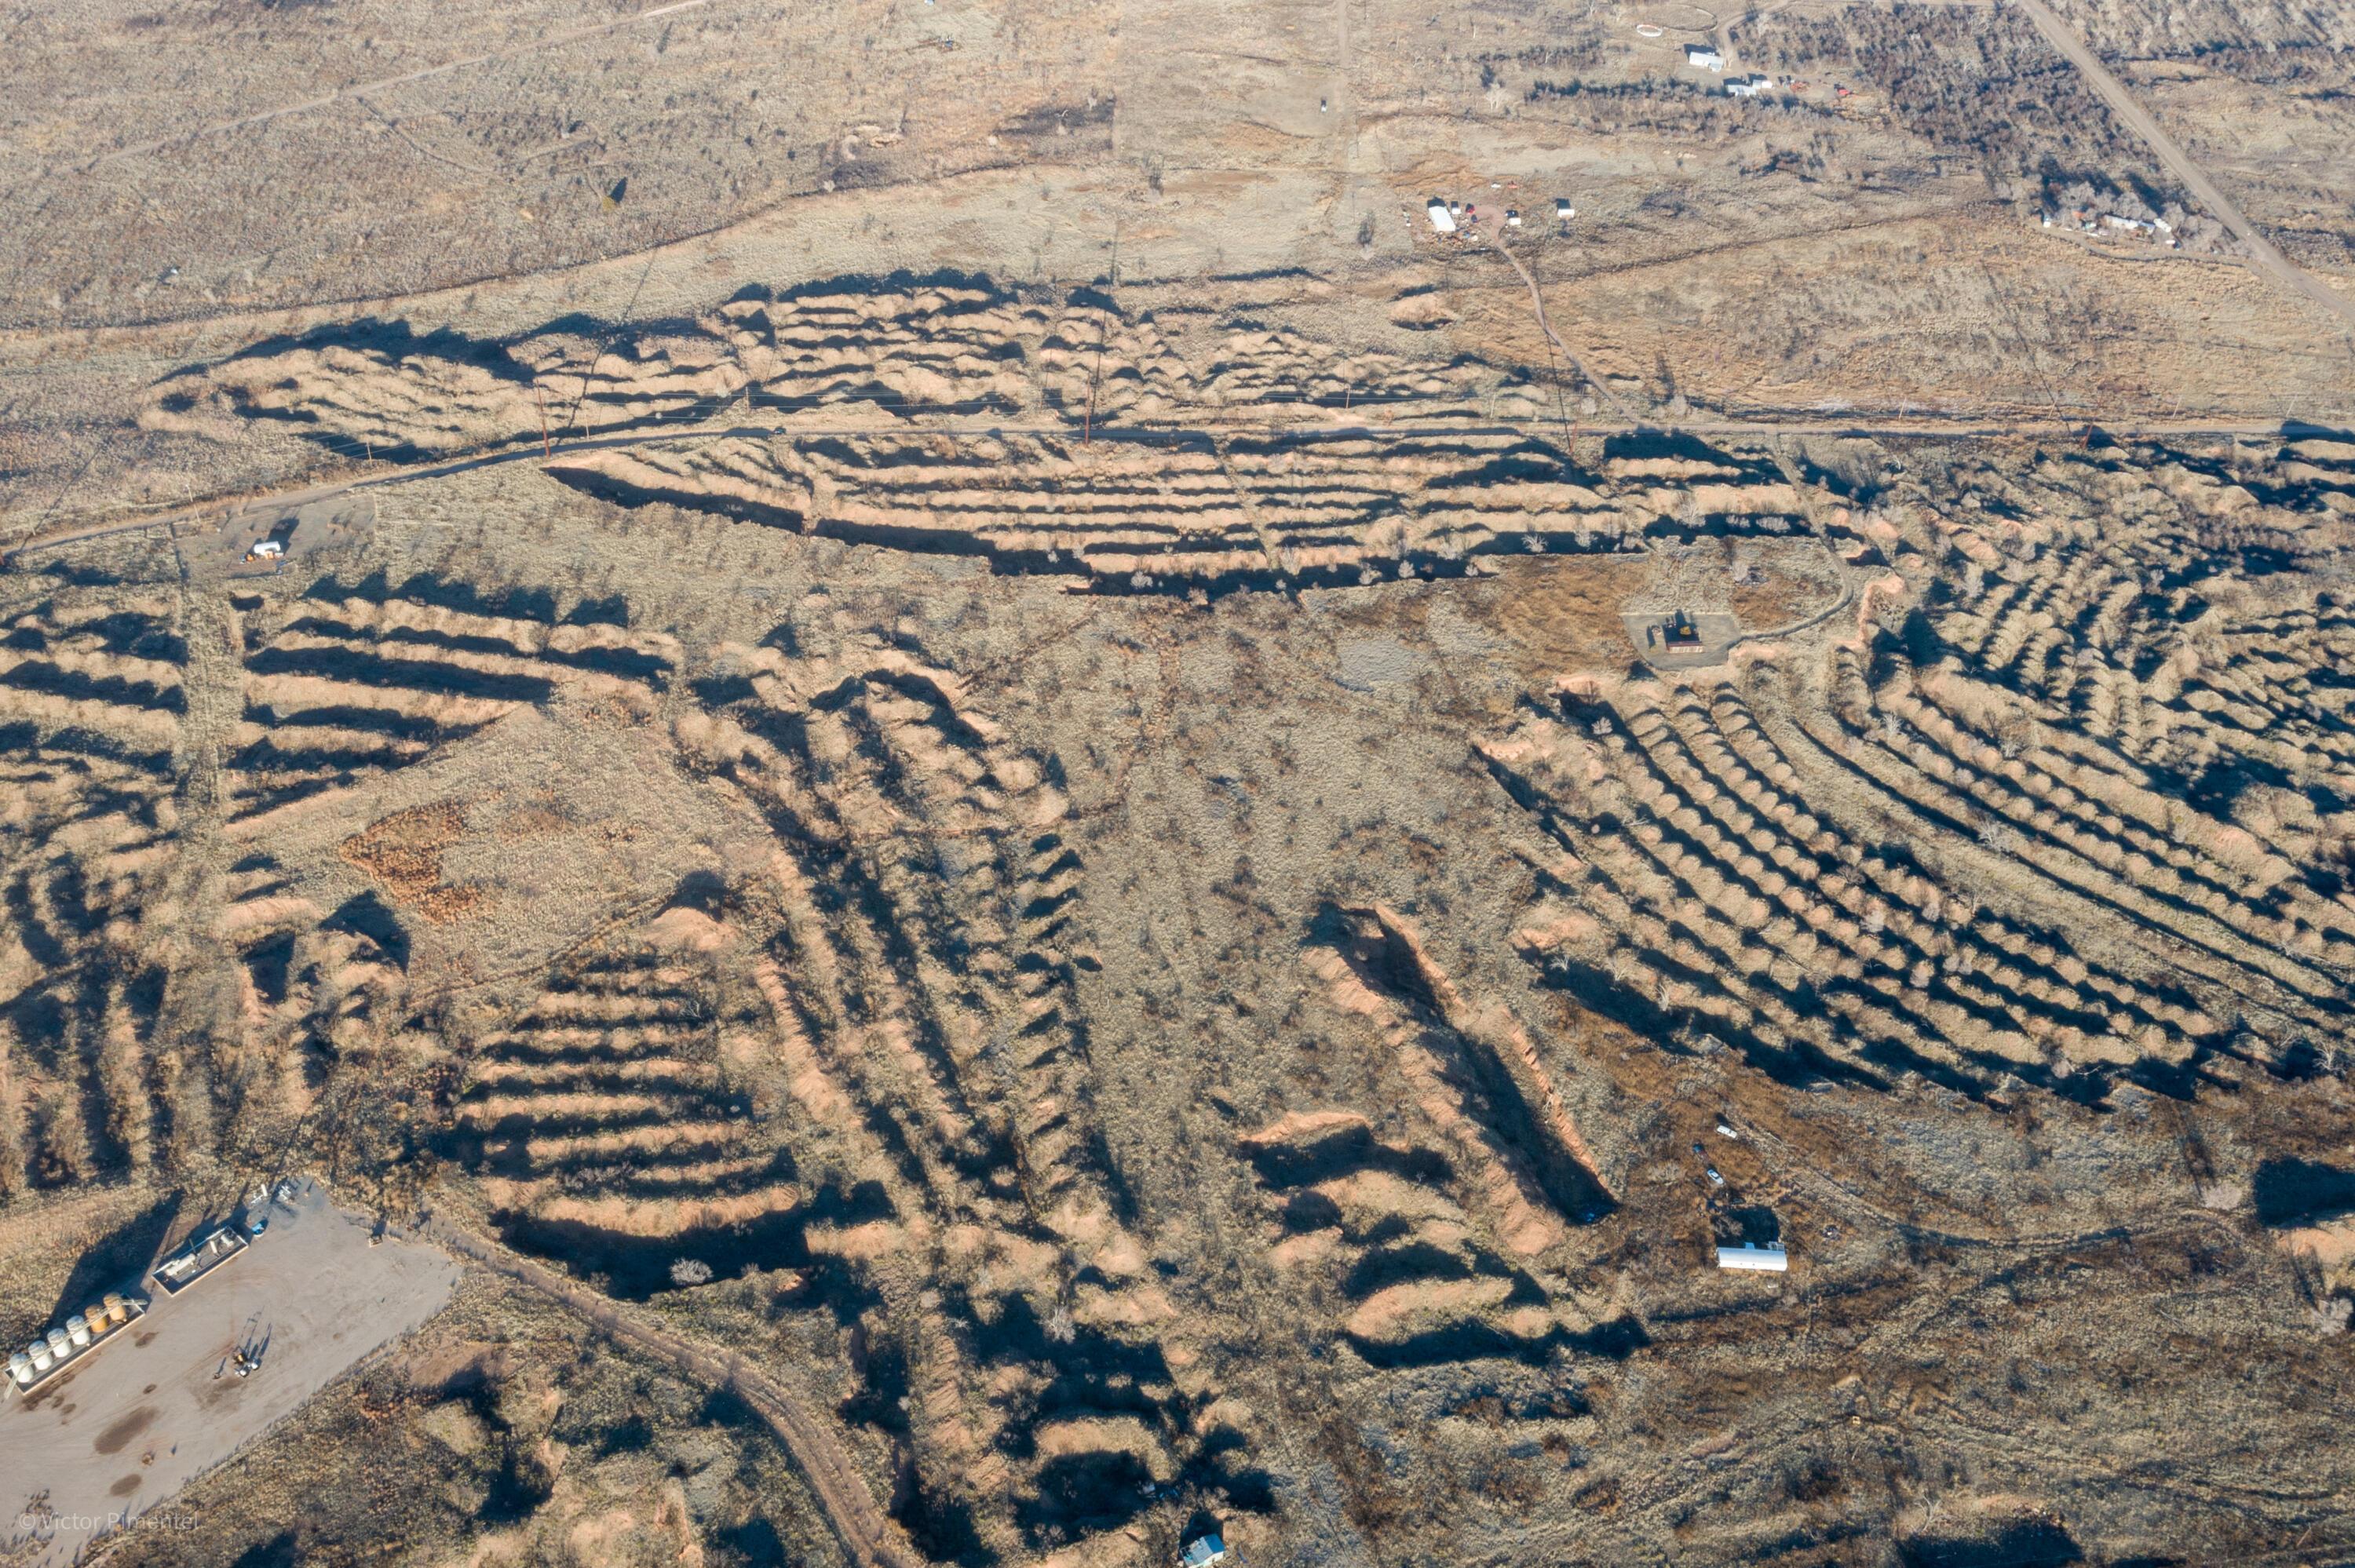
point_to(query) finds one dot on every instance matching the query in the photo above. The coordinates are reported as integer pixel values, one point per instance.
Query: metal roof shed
(1769, 1259)
(1203, 1550)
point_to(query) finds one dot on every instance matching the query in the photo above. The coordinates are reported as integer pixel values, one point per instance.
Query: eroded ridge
(1192, 511)
(310, 984)
(1124, 449)
(620, 1106)
(356, 679)
(92, 702)
(1474, 1078)
(908, 947)
(1712, 895)
(896, 349)
(1437, 1232)
(1410, 1277)
(2118, 718)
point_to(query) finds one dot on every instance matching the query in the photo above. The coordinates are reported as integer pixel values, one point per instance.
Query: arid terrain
(1030, 825)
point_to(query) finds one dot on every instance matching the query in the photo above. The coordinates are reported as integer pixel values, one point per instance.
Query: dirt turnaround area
(1013, 783)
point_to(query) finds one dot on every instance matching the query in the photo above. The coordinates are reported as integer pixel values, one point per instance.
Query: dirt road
(1537, 303)
(1868, 427)
(2262, 251)
(872, 1540)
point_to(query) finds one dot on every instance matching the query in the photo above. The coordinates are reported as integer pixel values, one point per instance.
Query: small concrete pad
(317, 527)
(103, 1444)
(1719, 631)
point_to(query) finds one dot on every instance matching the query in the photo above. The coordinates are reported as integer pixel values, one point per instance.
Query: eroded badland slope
(1045, 833)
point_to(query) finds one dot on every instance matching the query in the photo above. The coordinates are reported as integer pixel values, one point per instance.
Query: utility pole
(1087, 430)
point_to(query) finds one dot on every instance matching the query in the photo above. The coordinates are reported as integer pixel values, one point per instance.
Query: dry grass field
(972, 764)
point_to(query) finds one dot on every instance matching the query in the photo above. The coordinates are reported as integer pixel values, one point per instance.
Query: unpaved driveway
(873, 1539)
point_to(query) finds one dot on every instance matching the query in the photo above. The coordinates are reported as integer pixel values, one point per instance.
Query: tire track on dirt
(1537, 303)
(871, 1540)
(361, 90)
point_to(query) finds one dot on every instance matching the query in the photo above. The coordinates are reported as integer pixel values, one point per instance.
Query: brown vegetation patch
(1562, 616)
(404, 852)
(1774, 596)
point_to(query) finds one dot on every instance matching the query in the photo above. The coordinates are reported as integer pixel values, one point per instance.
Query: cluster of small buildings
(1449, 218)
(1707, 57)
(2086, 221)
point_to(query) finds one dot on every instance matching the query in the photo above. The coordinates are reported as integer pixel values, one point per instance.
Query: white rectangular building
(1769, 1259)
(1704, 55)
(1441, 219)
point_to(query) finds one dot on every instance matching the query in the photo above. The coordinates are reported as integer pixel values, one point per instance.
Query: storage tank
(118, 1312)
(77, 1330)
(42, 1359)
(20, 1368)
(58, 1343)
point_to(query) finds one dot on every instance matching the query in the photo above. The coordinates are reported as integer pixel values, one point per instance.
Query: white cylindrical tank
(58, 1342)
(42, 1359)
(20, 1368)
(78, 1329)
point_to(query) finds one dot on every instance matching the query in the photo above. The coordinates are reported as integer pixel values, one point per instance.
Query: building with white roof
(1203, 1551)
